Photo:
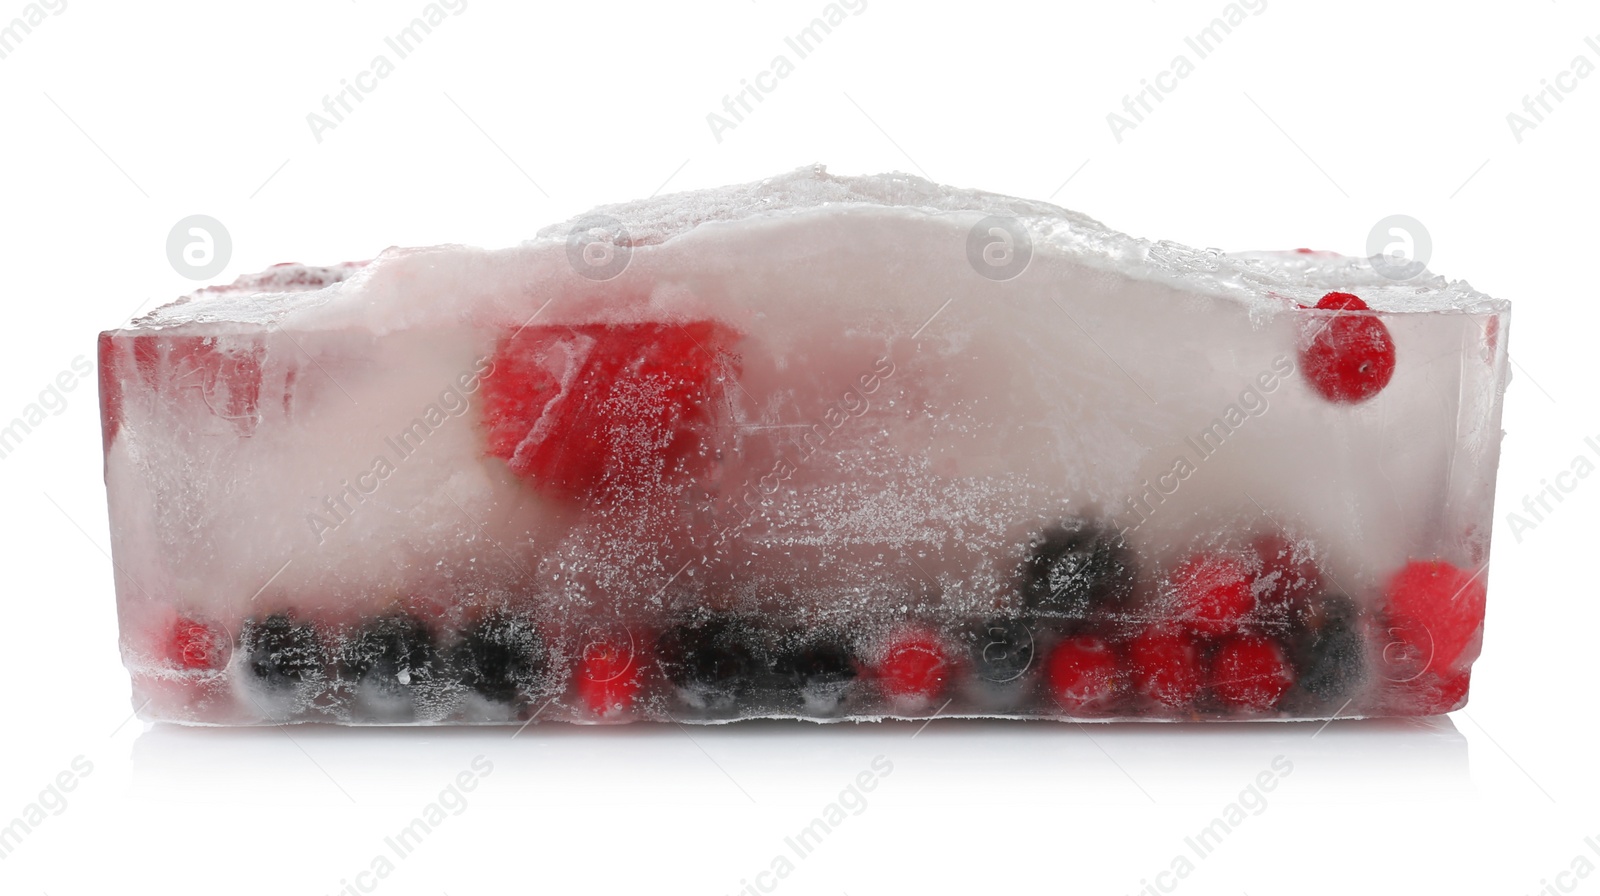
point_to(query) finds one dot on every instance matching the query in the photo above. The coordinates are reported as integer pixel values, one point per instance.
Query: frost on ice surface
(818, 446)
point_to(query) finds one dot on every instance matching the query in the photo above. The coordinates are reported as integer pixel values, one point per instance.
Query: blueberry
(391, 654)
(1076, 568)
(1001, 648)
(1326, 646)
(503, 657)
(281, 653)
(712, 660)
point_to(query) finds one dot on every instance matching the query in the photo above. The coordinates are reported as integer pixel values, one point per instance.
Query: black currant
(713, 660)
(1076, 568)
(391, 654)
(281, 652)
(1326, 647)
(502, 657)
(1001, 648)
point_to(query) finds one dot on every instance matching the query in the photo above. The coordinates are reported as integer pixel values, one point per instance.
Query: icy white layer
(951, 415)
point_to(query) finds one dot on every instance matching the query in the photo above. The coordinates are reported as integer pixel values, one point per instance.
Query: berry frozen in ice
(1085, 676)
(1167, 666)
(816, 661)
(711, 660)
(1287, 569)
(1326, 646)
(1250, 672)
(1002, 648)
(1076, 568)
(915, 665)
(282, 651)
(608, 675)
(502, 657)
(391, 654)
(193, 645)
(1349, 355)
(573, 408)
(1211, 593)
(1436, 610)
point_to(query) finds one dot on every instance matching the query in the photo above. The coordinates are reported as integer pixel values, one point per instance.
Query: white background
(1308, 124)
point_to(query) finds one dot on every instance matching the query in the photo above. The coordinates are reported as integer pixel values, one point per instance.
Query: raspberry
(1084, 676)
(1076, 568)
(1212, 593)
(1287, 570)
(1166, 667)
(1437, 611)
(915, 666)
(1341, 301)
(1349, 356)
(1250, 672)
(607, 676)
(573, 408)
(193, 645)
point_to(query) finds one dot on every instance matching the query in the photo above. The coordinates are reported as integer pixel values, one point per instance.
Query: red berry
(1166, 667)
(1428, 695)
(1250, 672)
(1349, 356)
(1341, 301)
(1212, 593)
(607, 676)
(193, 645)
(570, 408)
(1437, 612)
(1287, 571)
(914, 666)
(1084, 676)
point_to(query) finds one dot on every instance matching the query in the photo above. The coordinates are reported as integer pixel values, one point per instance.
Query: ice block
(818, 447)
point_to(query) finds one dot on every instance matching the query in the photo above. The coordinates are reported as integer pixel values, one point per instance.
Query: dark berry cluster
(1248, 629)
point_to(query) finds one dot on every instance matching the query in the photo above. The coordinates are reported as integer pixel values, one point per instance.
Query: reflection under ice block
(819, 447)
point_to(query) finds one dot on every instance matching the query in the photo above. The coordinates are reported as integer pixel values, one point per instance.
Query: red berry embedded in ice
(1250, 672)
(607, 677)
(1341, 301)
(1437, 611)
(1211, 593)
(1166, 667)
(1084, 676)
(915, 665)
(1349, 356)
(1287, 571)
(194, 645)
(1428, 695)
(624, 405)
